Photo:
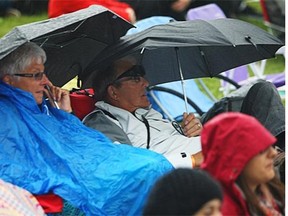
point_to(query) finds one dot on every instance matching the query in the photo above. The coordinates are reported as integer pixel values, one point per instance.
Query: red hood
(229, 141)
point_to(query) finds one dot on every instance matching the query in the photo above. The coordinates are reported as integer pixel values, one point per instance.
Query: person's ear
(112, 92)
(7, 79)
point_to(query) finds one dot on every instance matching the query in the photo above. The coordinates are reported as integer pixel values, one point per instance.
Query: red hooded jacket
(59, 7)
(229, 141)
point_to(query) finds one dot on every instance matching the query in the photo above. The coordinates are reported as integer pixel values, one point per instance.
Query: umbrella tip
(248, 38)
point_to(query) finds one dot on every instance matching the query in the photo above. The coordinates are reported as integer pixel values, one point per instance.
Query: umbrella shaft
(182, 79)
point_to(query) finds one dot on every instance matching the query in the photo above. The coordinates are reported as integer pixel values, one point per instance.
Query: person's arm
(191, 125)
(197, 159)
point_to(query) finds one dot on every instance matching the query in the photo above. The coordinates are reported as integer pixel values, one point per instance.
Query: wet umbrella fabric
(198, 48)
(70, 41)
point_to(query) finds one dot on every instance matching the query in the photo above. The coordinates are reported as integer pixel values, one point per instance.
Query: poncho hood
(229, 141)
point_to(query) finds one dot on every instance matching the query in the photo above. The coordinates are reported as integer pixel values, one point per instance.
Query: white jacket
(164, 138)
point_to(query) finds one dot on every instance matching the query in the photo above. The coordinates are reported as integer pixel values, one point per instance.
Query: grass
(8, 23)
(272, 66)
(275, 65)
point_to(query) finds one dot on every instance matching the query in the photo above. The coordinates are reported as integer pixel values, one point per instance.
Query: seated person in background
(7, 8)
(264, 103)
(59, 7)
(238, 152)
(185, 192)
(178, 8)
(15, 201)
(44, 149)
(120, 90)
(174, 8)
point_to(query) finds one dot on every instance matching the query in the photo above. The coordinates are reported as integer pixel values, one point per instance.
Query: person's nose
(145, 82)
(44, 80)
(272, 152)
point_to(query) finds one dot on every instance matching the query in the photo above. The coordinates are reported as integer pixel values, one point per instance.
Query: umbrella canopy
(196, 48)
(70, 41)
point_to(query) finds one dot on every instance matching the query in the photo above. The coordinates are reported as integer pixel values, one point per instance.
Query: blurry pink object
(15, 201)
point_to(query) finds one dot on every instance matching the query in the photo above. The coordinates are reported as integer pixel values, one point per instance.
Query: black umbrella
(71, 41)
(189, 49)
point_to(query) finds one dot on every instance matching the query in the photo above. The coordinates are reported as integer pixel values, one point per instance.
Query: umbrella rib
(52, 35)
(248, 38)
(80, 24)
(206, 62)
(182, 78)
(66, 44)
(60, 33)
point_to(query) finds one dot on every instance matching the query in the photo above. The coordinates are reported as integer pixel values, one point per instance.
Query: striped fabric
(15, 201)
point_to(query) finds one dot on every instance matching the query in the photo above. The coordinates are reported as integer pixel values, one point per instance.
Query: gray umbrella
(71, 41)
(189, 49)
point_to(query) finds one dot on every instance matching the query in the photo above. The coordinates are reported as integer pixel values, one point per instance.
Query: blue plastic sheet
(56, 152)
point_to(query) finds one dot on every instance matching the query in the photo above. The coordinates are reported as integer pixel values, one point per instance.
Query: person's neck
(121, 106)
(253, 187)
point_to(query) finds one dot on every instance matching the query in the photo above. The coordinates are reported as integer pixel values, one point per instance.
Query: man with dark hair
(122, 101)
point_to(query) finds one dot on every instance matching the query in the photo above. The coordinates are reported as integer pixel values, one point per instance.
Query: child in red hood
(238, 151)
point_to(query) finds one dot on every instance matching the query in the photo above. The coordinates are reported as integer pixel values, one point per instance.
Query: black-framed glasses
(37, 76)
(134, 73)
(177, 127)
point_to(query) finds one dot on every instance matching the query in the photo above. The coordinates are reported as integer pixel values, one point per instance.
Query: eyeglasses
(37, 76)
(135, 73)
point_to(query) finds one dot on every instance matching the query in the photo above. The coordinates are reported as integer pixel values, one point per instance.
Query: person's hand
(180, 5)
(191, 125)
(60, 96)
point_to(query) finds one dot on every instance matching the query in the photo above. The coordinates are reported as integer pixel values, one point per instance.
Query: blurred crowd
(273, 11)
(129, 9)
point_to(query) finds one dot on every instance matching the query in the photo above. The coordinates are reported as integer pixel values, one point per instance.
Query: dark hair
(106, 76)
(183, 191)
(276, 188)
(101, 81)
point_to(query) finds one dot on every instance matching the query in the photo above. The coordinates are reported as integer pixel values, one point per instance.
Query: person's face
(211, 208)
(132, 91)
(30, 84)
(260, 169)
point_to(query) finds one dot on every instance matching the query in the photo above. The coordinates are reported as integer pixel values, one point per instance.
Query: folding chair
(82, 102)
(206, 12)
(210, 12)
(168, 99)
(239, 74)
(274, 16)
(274, 19)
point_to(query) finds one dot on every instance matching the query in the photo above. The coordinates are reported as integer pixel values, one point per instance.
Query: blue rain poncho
(57, 153)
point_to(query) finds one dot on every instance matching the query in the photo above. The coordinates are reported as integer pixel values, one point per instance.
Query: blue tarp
(56, 152)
